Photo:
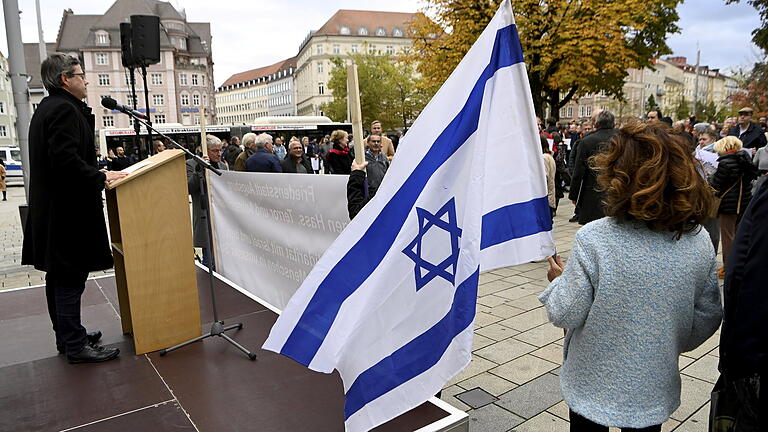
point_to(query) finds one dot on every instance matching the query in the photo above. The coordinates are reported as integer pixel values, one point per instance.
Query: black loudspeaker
(125, 45)
(145, 40)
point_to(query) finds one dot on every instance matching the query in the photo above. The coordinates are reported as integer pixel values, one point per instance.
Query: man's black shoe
(93, 338)
(574, 219)
(90, 354)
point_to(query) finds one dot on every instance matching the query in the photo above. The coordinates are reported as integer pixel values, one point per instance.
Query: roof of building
(78, 31)
(370, 20)
(257, 73)
(32, 62)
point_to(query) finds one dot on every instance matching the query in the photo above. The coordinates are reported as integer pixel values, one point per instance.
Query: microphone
(109, 103)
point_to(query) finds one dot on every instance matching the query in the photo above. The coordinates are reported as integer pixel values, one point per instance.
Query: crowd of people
(640, 287)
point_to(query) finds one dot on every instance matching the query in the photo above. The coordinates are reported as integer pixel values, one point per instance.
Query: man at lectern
(65, 233)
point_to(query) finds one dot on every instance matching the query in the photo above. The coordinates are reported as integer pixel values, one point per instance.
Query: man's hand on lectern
(113, 175)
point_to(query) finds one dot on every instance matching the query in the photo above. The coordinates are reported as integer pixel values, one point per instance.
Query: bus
(11, 156)
(313, 127)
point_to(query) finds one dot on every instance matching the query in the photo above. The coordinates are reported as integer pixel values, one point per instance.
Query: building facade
(669, 81)
(8, 136)
(346, 32)
(180, 87)
(261, 92)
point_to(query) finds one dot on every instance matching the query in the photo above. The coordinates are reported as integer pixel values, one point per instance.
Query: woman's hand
(556, 267)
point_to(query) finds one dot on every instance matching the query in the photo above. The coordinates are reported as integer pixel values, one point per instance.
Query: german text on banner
(391, 303)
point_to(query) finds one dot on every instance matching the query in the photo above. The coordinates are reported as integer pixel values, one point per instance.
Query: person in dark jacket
(584, 192)
(744, 335)
(732, 183)
(263, 160)
(750, 133)
(339, 159)
(378, 164)
(232, 151)
(65, 233)
(194, 172)
(295, 162)
(358, 190)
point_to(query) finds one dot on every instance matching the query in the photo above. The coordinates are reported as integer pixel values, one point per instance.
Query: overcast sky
(250, 34)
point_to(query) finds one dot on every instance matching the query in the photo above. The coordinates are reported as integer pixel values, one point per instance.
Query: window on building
(157, 79)
(397, 32)
(589, 110)
(362, 31)
(160, 118)
(184, 99)
(390, 50)
(102, 38)
(336, 49)
(2, 107)
(197, 119)
(344, 30)
(354, 48)
(318, 49)
(102, 59)
(380, 31)
(158, 99)
(3, 131)
(205, 99)
(108, 121)
(103, 79)
(320, 88)
(320, 67)
(195, 99)
(371, 49)
(570, 112)
(183, 44)
(186, 119)
(183, 79)
(195, 80)
(202, 80)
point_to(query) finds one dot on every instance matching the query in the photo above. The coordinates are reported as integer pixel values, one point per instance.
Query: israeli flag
(391, 303)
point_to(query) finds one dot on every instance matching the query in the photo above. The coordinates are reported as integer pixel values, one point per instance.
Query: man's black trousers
(63, 290)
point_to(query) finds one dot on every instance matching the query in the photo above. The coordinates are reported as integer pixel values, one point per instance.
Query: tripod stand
(217, 328)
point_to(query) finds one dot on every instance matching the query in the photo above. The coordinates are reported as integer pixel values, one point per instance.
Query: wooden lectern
(151, 231)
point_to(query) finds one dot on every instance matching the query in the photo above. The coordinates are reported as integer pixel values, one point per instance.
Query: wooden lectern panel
(154, 262)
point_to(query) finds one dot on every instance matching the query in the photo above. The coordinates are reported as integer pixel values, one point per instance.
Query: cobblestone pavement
(12, 273)
(512, 383)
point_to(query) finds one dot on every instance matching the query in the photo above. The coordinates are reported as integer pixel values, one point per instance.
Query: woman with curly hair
(639, 287)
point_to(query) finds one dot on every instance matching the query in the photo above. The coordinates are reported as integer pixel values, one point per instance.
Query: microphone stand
(217, 328)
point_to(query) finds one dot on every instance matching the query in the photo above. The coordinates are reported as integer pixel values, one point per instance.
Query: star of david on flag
(474, 154)
(446, 269)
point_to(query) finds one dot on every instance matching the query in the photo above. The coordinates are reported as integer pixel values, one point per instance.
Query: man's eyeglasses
(82, 75)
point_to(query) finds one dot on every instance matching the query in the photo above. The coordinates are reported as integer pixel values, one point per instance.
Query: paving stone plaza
(512, 383)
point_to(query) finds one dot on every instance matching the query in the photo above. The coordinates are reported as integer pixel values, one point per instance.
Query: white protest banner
(270, 229)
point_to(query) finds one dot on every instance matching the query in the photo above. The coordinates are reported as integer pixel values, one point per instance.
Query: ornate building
(180, 86)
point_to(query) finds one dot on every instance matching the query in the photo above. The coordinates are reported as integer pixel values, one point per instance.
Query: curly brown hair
(647, 174)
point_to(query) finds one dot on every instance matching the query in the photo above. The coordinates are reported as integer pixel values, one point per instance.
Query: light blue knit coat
(632, 300)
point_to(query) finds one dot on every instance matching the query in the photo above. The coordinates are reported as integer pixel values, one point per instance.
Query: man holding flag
(391, 303)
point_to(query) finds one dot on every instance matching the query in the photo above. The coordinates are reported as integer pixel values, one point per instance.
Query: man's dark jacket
(744, 337)
(65, 228)
(199, 220)
(289, 166)
(584, 181)
(732, 169)
(754, 137)
(358, 193)
(263, 161)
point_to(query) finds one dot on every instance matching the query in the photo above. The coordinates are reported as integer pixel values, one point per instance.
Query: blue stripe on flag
(363, 258)
(516, 221)
(418, 355)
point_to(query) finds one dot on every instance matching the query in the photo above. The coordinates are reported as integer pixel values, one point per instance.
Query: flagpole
(353, 96)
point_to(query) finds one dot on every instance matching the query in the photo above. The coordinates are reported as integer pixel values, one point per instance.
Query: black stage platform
(208, 386)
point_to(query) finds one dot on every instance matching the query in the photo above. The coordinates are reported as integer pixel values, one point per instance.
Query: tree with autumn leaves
(572, 47)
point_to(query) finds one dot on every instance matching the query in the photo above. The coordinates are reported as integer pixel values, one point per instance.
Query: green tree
(387, 90)
(682, 109)
(651, 104)
(710, 112)
(571, 47)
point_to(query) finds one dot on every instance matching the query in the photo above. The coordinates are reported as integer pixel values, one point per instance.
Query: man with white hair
(249, 148)
(263, 160)
(194, 172)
